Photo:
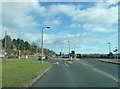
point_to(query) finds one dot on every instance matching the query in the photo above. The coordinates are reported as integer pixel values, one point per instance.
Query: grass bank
(18, 73)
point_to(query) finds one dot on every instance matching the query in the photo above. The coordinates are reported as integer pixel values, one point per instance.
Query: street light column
(109, 49)
(69, 49)
(75, 52)
(42, 44)
(42, 47)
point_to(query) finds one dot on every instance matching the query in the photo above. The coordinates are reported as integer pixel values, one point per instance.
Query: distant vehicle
(2, 53)
(40, 58)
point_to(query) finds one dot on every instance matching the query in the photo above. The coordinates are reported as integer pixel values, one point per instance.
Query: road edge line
(38, 77)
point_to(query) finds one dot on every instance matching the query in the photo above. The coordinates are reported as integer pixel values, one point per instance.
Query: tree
(27, 45)
(13, 47)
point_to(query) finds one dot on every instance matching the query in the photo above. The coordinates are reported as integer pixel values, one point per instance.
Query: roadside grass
(0, 73)
(19, 72)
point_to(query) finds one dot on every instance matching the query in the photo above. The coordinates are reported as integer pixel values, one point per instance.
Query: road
(80, 73)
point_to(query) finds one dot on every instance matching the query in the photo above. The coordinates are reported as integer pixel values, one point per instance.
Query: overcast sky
(88, 26)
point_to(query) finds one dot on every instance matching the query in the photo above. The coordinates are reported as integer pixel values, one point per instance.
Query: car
(2, 53)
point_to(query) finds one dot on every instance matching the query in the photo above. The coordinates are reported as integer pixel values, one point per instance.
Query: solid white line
(103, 73)
(106, 74)
(66, 64)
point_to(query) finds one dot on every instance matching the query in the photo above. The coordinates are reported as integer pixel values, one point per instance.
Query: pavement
(115, 61)
(80, 73)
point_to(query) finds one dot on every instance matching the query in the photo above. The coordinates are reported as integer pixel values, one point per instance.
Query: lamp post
(69, 49)
(75, 52)
(109, 48)
(42, 44)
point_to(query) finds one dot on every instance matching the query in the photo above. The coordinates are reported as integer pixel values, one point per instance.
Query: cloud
(52, 22)
(24, 19)
(95, 28)
(74, 25)
(95, 14)
(16, 15)
(99, 15)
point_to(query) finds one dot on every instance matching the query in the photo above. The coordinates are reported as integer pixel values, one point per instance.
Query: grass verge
(18, 73)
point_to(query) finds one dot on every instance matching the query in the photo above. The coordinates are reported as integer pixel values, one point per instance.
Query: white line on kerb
(66, 64)
(106, 74)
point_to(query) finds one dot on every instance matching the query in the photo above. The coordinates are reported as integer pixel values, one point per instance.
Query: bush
(11, 56)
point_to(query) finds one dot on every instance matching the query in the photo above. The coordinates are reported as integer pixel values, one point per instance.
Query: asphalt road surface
(80, 73)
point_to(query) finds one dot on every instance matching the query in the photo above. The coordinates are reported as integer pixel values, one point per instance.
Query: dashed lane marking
(56, 63)
(69, 62)
(66, 64)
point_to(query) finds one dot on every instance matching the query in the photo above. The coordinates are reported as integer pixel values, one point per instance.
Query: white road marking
(85, 64)
(102, 72)
(66, 64)
(69, 62)
(106, 74)
(56, 63)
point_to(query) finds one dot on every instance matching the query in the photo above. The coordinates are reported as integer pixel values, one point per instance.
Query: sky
(89, 26)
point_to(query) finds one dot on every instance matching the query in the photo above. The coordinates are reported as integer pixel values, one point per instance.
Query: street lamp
(42, 44)
(109, 48)
(75, 52)
(69, 48)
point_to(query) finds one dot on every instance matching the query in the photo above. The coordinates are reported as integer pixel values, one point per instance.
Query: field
(19, 72)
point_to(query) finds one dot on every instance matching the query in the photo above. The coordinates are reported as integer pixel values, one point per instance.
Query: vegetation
(16, 47)
(18, 73)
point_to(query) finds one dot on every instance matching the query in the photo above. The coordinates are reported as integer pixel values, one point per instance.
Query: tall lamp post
(69, 49)
(42, 44)
(75, 52)
(109, 48)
